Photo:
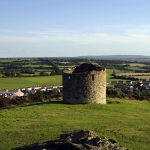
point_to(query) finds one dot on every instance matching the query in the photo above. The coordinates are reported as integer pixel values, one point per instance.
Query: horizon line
(72, 56)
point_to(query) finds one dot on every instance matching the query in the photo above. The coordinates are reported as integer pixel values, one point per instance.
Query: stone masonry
(85, 84)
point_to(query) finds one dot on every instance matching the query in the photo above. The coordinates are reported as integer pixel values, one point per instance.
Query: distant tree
(115, 93)
(52, 73)
(43, 73)
(114, 73)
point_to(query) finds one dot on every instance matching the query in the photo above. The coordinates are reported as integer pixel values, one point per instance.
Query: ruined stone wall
(87, 87)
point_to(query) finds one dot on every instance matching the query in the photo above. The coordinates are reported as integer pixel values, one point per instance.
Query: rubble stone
(77, 140)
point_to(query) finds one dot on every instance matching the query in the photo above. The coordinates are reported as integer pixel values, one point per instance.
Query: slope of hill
(124, 121)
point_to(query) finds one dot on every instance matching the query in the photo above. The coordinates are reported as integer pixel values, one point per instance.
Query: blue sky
(33, 28)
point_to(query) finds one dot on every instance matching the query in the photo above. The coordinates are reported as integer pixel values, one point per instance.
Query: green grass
(36, 65)
(135, 68)
(20, 82)
(135, 75)
(7, 60)
(127, 122)
(109, 76)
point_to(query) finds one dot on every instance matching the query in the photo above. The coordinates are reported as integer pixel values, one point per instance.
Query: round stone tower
(85, 83)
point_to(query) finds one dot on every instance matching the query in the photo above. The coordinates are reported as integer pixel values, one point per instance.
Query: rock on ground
(77, 140)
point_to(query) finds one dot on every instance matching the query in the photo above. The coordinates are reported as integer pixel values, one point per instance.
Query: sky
(58, 28)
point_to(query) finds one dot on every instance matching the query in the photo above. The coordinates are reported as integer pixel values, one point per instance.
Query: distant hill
(131, 58)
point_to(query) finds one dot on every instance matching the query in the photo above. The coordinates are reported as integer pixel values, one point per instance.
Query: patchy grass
(137, 65)
(142, 77)
(110, 77)
(126, 122)
(21, 82)
(7, 59)
(135, 75)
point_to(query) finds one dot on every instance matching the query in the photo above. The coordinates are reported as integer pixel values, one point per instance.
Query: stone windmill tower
(85, 83)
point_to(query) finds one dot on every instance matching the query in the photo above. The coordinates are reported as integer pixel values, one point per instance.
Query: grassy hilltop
(126, 122)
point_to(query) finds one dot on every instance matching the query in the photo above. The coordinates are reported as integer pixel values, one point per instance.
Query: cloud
(129, 35)
(130, 40)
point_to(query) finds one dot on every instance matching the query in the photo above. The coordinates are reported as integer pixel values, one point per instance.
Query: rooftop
(87, 67)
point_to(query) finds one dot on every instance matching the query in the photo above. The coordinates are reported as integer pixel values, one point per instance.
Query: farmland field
(135, 75)
(21, 82)
(27, 72)
(126, 122)
(110, 77)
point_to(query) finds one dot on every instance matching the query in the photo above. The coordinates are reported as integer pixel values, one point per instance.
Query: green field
(21, 82)
(135, 75)
(110, 77)
(127, 122)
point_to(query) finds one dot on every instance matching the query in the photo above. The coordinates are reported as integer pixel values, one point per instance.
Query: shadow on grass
(119, 79)
(34, 103)
(50, 102)
(42, 103)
